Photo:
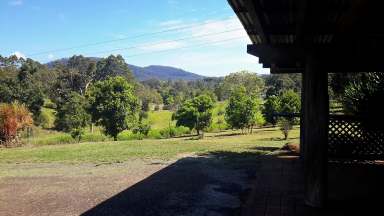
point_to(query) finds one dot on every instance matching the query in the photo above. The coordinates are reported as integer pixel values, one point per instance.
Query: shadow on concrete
(208, 184)
(248, 183)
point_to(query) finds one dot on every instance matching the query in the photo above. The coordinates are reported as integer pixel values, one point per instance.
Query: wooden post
(302, 127)
(315, 120)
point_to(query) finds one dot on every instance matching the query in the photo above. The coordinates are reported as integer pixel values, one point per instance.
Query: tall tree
(242, 109)
(72, 116)
(113, 66)
(195, 113)
(290, 104)
(113, 105)
(276, 84)
(271, 108)
(251, 82)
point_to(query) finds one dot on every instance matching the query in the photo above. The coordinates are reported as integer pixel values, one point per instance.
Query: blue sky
(201, 36)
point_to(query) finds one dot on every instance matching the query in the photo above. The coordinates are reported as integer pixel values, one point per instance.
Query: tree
(195, 113)
(271, 108)
(25, 92)
(277, 84)
(290, 104)
(113, 105)
(251, 82)
(113, 66)
(235, 114)
(72, 117)
(363, 98)
(242, 109)
(14, 117)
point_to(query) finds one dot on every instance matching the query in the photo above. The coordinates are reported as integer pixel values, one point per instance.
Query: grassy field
(164, 149)
(159, 119)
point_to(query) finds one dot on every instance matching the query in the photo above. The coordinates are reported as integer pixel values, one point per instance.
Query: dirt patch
(58, 189)
(192, 185)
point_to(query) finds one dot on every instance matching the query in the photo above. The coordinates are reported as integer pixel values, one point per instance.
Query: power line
(126, 38)
(185, 47)
(169, 41)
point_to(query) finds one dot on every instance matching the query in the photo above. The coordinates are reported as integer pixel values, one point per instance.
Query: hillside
(149, 72)
(162, 73)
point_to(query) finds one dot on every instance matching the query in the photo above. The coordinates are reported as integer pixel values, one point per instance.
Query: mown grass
(159, 119)
(164, 149)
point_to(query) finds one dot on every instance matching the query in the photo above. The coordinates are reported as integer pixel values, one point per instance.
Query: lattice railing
(347, 138)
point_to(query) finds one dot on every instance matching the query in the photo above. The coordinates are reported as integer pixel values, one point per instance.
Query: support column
(302, 128)
(315, 137)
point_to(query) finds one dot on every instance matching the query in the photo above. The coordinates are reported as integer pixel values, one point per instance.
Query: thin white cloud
(18, 54)
(209, 31)
(16, 2)
(162, 45)
(215, 26)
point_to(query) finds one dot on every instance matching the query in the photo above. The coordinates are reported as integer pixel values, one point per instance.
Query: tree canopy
(195, 113)
(113, 105)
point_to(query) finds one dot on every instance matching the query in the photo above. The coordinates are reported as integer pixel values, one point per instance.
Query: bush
(13, 118)
(285, 126)
(142, 128)
(154, 134)
(174, 131)
(46, 119)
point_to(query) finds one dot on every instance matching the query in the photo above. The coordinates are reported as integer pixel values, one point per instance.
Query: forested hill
(151, 72)
(162, 73)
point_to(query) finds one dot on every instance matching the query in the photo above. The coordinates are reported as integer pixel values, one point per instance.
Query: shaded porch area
(353, 188)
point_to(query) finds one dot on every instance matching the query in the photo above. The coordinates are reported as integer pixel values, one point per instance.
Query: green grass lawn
(159, 119)
(164, 149)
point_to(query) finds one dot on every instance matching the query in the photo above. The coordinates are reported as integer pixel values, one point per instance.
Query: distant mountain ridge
(150, 72)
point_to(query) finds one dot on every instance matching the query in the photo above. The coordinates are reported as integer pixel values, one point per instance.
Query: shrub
(154, 134)
(285, 126)
(174, 131)
(46, 119)
(157, 107)
(142, 128)
(13, 118)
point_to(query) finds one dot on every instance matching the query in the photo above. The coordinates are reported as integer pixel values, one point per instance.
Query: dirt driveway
(204, 185)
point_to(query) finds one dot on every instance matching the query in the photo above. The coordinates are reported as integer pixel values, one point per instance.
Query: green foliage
(289, 104)
(46, 118)
(174, 131)
(363, 97)
(252, 83)
(25, 91)
(271, 108)
(258, 119)
(277, 84)
(243, 109)
(113, 66)
(113, 105)
(195, 113)
(72, 116)
(142, 128)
